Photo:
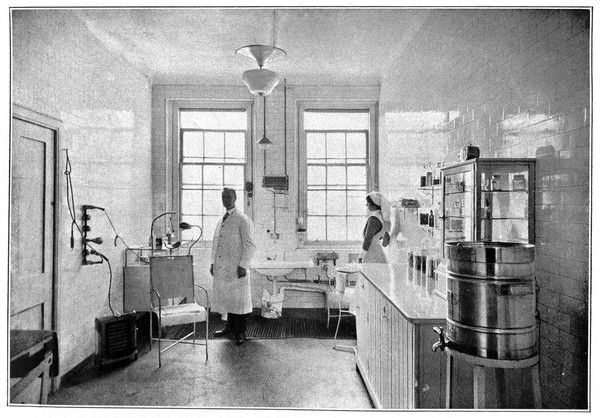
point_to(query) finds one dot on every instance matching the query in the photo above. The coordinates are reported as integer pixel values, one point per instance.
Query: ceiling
(340, 46)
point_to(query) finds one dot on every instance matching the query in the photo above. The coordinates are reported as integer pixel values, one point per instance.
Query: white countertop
(407, 292)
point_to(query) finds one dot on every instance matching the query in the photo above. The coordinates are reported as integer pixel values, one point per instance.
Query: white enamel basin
(280, 268)
(348, 268)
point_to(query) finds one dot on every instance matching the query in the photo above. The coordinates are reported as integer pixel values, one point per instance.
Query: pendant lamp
(261, 81)
(264, 142)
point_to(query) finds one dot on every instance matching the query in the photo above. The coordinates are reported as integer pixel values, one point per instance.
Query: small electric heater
(117, 338)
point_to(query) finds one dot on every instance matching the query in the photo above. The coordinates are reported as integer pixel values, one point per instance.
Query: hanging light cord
(285, 126)
(71, 200)
(264, 134)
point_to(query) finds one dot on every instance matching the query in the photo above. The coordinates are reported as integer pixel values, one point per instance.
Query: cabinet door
(505, 202)
(385, 314)
(458, 204)
(402, 362)
(375, 366)
(431, 374)
(362, 320)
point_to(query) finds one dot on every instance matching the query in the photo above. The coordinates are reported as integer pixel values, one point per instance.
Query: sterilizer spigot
(442, 343)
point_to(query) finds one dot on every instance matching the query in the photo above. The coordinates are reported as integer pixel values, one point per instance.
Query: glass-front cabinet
(489, 200)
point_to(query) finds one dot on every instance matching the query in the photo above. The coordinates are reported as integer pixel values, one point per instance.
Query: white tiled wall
(104, 107)
(515, 83)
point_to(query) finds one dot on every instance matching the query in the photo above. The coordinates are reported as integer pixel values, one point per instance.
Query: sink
(348, 268)
(280, 268)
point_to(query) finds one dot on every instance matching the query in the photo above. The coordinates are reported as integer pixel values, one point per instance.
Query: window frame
(174, 156)
(370, 106)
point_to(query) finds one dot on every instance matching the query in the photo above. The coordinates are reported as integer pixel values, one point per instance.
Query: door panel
(31, 225)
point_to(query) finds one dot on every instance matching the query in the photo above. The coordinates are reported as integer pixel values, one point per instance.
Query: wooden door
(31, 226)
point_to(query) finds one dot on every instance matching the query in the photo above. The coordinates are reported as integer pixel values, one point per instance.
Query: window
(336, 165)
(212, 156)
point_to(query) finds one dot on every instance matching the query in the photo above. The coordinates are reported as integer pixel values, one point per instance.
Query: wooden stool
(479, 365)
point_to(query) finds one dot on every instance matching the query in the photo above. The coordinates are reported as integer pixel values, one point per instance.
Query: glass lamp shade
(262, 53)
(261, 82)
(264, 143)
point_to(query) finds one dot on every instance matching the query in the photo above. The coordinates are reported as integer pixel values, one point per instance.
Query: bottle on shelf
(429, 176)
(437, 174)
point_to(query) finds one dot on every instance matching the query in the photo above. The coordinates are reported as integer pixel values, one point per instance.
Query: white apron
(233, 246)
(376, 253)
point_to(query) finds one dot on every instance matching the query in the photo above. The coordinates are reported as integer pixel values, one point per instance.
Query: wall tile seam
(560, 296)
(567, 331)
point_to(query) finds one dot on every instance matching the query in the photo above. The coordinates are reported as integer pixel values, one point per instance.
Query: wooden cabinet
(394, 352)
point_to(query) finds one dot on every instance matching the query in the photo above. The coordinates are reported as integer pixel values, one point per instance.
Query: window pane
(234, 177)
(213, 119)
(192, 145)
(315, 175)
(315, 202)
(342, 137)
(191, 174)
(208, 226)
(336, 228)
(327, 120)
(336, 203)
(357, 146)
(214, 145)
(356, 226)
(357, 176)
(336, 146)
(191, 234)
(357, 204)
(212, 203)
(210, 138)
(191, 202)
(235, 146)
(315, 228)
(213, 176)
(336, 176)
(315, 146)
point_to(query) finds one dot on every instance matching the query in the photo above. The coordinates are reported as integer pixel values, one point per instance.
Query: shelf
(503, 191)
(519, 218)
(448, 193)
(429, 188)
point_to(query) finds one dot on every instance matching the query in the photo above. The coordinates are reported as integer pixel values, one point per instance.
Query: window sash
(201, 178)
(352, 218)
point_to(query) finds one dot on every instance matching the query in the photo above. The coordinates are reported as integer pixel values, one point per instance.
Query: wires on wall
(74, 225)
(70, 200)
(119, 237)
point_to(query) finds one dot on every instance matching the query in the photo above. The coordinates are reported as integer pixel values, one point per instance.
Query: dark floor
(271, 373)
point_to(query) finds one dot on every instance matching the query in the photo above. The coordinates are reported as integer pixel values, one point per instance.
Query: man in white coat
(232, 250)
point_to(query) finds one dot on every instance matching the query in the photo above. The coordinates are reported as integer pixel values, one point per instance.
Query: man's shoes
(240, 338)
(223, 332)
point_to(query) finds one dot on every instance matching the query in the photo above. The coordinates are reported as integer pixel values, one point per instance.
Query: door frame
(46, 121)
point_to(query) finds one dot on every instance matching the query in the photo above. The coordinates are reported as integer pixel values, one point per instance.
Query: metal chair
(341, 296)
(172, 296)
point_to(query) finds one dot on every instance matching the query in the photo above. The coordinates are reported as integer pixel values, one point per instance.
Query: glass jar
(519, 182)
(496, 183)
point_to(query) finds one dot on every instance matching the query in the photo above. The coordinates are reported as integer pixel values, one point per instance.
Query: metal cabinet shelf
(489, 199)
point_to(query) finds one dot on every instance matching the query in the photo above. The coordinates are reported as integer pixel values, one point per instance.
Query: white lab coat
(233, 245)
